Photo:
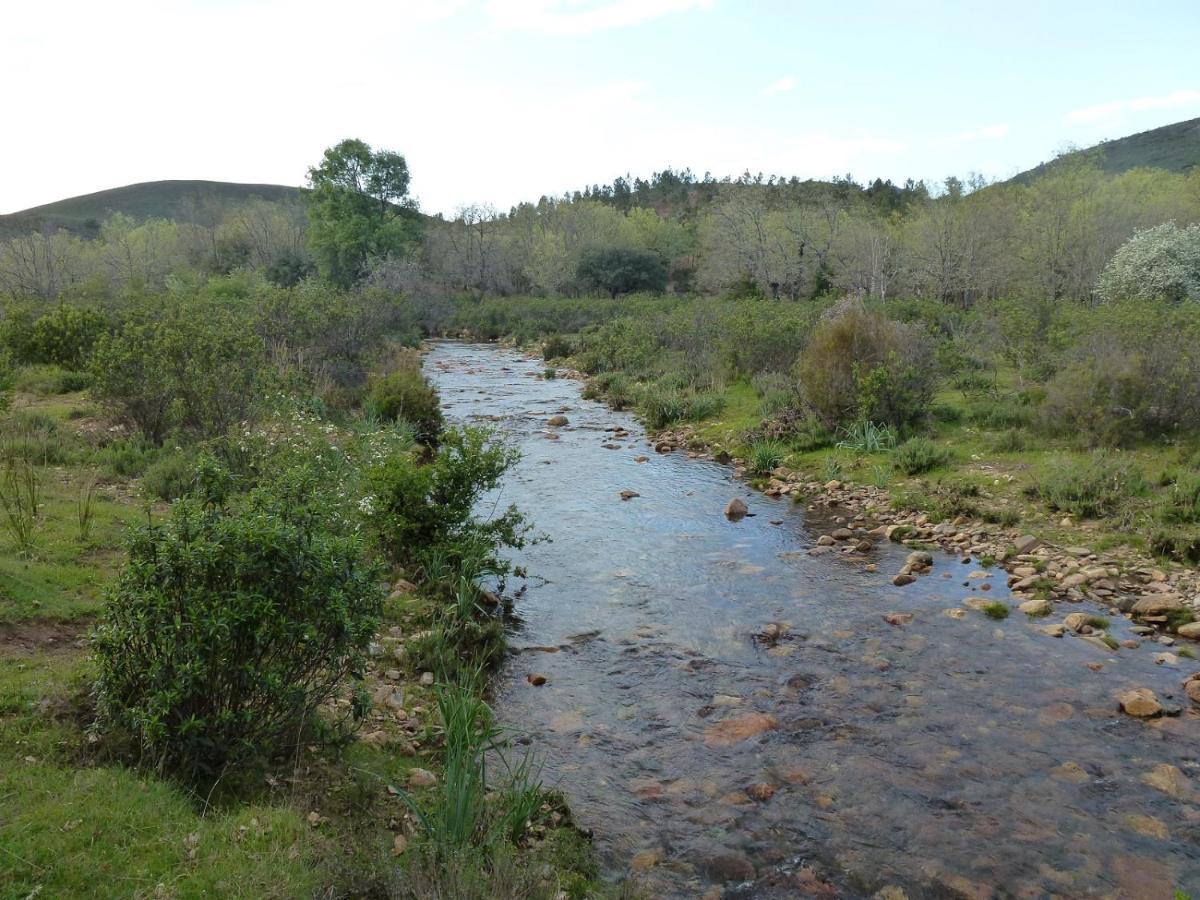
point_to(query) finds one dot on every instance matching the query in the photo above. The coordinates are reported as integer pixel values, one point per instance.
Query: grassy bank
(382, 789)
(1078, 423)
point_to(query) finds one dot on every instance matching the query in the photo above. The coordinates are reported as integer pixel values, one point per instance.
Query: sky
(499, 101)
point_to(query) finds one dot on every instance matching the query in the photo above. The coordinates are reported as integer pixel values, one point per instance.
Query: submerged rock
(1140, 702)
(736, 509)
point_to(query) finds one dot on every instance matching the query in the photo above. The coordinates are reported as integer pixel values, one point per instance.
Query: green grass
(996, 610)
(65, 577)
(108, 831)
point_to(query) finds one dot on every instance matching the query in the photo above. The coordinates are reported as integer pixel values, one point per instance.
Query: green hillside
(1175, 148)
(179, 200)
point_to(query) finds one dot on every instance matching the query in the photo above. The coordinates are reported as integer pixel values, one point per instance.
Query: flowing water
(944, 757)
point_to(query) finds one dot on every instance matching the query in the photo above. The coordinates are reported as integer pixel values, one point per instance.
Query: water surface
(944, 757)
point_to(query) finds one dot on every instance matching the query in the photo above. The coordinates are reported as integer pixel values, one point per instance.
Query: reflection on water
(942, 757)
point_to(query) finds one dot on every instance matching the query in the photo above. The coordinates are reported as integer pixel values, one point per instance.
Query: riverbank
(344, 813)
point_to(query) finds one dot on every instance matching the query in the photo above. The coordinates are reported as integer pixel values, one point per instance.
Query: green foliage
(860, 365)
(867, 437)
(1133, 372)
(1092, 489)
(918, 455)
(405, 394)
(662, 405)
(49, 380)
(20, 499)
(193, 367)
(229, 626)
(417, 510)
(620, 270)
(34, 438)
(766, 456)
(359, 210)
(557, 347)
(1182, 501)
(64, 336)
(996, 610)
(473, 809)
(170, 476)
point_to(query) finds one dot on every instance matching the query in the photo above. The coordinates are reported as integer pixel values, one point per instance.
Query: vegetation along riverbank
(250, 601)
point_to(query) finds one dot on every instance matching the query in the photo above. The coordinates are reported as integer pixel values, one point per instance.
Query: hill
(178, 200)
(1175, 148)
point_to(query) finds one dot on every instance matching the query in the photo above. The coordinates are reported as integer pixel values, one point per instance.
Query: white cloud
(1104, 111)
(581, 16)
(786, 83)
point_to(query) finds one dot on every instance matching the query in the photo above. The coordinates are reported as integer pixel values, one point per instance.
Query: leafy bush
(228, 628)
(619, 270)
(765, 456)
(1090, 489)
(170, 477)
(127, 457)
(419, 510)
(1134, 372)
(405, 393)
(193, 367)
(918, 455)
(775, 391)
(1159, 263)
(860, 365)
(996, 610)
(65, 336)
(557, 347)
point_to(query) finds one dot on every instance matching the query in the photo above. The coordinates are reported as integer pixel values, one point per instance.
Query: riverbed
(952, 755)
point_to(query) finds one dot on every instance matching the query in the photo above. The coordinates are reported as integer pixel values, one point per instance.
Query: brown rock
(1140, 702)
(536, 679)
(901, 579)
(742, 728)
(557, 421)
(736, 509)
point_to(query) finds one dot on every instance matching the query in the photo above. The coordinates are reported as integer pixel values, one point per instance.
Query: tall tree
(359, 210)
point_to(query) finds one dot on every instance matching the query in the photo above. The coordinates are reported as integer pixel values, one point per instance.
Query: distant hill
(178, 200)
(1175, 148)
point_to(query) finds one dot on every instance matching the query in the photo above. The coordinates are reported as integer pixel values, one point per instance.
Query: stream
(945, 757)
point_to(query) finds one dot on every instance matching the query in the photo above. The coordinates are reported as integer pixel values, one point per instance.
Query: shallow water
(946, 757)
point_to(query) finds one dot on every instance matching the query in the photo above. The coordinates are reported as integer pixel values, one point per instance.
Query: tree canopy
(359, 209)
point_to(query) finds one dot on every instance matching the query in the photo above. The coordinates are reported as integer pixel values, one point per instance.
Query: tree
(1156, 263)
(359, 209)
(619, 270)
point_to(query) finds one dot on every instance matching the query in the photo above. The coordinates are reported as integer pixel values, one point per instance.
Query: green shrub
(127, 457)
(65, 336)
(405, 393)
(417, 511)
(918, 455)
(1000, 412)
(861, 365)
(227, 629)
(1091, 489)
(996, 610)
(170, 477)
(766, 456)
(1011, 440)
(775, 391)
(1134, 372)
(1182, 501)
(557, 347)
(192, 367)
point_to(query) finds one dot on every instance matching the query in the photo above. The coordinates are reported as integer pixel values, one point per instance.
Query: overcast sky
(504, 100)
